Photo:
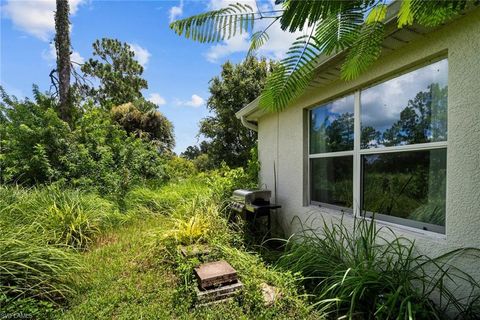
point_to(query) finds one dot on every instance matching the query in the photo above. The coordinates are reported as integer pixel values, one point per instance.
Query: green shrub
(178, 168)
(97, 154)
(364, 272)
(223, 181)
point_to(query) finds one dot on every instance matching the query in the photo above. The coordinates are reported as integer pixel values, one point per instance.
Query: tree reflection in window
(421, 119)
(331, 126)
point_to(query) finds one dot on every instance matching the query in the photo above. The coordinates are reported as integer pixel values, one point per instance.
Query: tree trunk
(62, 45)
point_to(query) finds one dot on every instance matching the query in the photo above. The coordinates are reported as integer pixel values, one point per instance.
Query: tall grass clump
(365, 272)
(29, 268)
(165, 200)
(64, 217)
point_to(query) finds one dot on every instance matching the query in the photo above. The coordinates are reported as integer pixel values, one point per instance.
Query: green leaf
(216, 25)
(338, 32)
(377, 14)
(405, 14)
(257, 40)
(364, 51)
(293, 75)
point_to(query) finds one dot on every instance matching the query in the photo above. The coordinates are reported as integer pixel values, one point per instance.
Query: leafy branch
(217, 25)
(355, 27)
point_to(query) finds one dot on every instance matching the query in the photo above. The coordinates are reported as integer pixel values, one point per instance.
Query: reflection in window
(409, 109)
(331, 126)
(409, 185)
(332, 180)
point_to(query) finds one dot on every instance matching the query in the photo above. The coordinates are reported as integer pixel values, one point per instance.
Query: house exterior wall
(282, 140)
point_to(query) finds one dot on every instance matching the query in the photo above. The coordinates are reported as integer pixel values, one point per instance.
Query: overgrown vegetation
(39, 148)
(146, 275)
(365, 272)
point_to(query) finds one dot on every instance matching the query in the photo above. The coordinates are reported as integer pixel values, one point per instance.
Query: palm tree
(355, 27)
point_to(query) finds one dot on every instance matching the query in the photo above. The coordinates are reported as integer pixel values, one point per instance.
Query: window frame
(358, 152)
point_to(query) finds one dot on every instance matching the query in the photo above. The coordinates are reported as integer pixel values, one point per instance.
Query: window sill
(396, 228)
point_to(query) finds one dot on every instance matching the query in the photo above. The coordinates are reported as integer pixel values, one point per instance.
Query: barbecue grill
(252, 204)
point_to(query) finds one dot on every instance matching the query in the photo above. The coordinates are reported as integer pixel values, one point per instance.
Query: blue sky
(177, 70)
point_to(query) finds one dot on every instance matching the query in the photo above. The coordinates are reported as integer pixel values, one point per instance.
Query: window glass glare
(409, 185)
(332, 180)
(331, 126)
(409, 109)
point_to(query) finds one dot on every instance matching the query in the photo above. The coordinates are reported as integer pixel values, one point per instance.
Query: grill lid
(249, 196)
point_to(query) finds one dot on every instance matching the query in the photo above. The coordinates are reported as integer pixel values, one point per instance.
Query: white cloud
(76, 57)
(35, 17)
(195, 102)
(142, 55)
(50, 55)
(176, 11)
(157, 99)
(389, 98)
(229, 46)
(276, 47)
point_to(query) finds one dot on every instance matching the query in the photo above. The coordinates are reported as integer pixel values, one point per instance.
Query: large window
(331, 153)
(382, 150)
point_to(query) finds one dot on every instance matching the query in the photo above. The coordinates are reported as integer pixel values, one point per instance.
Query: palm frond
(430, 13)
(364, 51)
(216, 25)
(292, 76)
(338, 32)
(377, 14)
(257, 40)
(301, 13)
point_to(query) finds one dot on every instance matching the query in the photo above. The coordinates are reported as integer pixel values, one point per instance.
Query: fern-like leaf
(339, 31)
(430, 13)
(292, 76)
(216, 25)
(301, 13)
(257, 40)
(364, 51)
(377, 14)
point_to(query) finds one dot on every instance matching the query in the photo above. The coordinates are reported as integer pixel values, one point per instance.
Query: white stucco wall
(282, 138)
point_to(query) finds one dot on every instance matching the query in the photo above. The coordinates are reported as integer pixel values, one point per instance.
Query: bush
(39, 148)
(223, 181)
(142, 119)
(360, 273)
(178, 168)
(34, 140)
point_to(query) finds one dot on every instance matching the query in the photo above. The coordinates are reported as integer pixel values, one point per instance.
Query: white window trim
(357, 154)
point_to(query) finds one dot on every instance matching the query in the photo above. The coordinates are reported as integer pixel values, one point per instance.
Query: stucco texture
(282, 139)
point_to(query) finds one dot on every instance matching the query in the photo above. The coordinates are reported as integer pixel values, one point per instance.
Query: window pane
(331, 126)
(332, 180)
(409, 109)
(409, 185)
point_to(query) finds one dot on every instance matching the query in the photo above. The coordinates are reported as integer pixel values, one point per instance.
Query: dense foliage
(130, 263)
(39, 148)
(365, 272)
(119, 74)
(227, 139)
(142, 119)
